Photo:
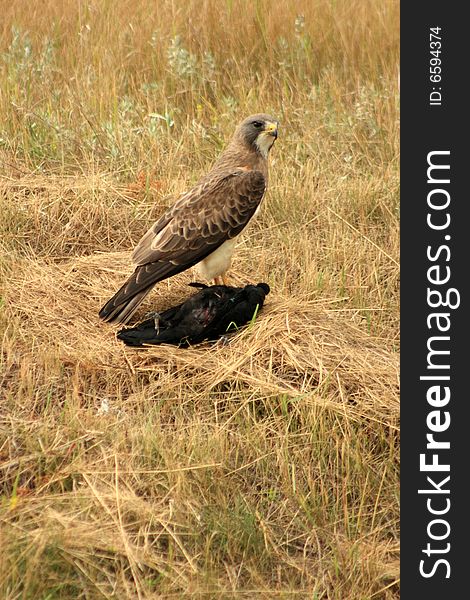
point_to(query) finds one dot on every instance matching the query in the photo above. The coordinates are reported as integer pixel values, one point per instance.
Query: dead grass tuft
(298, 348)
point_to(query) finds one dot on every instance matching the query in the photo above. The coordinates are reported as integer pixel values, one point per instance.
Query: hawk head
(259, 132)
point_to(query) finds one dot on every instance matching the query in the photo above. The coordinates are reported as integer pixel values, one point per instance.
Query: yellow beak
(271, 128)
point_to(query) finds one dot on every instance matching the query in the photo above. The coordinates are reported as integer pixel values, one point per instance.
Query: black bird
(209, 314)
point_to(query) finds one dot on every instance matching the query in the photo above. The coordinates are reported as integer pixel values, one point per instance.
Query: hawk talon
(151, 314)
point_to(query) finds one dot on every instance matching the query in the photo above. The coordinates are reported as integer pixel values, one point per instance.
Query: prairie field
(264, 468)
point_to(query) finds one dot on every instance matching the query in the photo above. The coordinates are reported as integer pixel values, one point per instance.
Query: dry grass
(267, 468)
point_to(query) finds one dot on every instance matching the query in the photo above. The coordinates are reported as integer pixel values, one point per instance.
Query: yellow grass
(266, 468)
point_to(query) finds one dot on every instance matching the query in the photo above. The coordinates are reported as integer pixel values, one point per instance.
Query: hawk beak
(271, 129)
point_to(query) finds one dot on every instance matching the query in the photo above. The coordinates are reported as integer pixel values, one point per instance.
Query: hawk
(203, 224)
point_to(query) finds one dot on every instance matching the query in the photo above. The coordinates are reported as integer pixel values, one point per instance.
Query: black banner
(434, 276)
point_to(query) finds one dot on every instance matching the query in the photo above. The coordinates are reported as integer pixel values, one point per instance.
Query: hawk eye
(257, 124)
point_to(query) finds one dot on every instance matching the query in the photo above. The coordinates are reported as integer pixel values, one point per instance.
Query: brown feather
(215, 210)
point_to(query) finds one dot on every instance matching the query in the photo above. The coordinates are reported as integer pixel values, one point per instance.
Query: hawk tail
(124, 303)
(121, 307)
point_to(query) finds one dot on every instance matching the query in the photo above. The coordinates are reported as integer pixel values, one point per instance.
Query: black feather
(212, 312)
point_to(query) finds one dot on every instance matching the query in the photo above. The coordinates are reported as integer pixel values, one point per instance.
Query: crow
(212, 312)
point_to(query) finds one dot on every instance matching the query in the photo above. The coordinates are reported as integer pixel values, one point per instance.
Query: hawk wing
(197, 224)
